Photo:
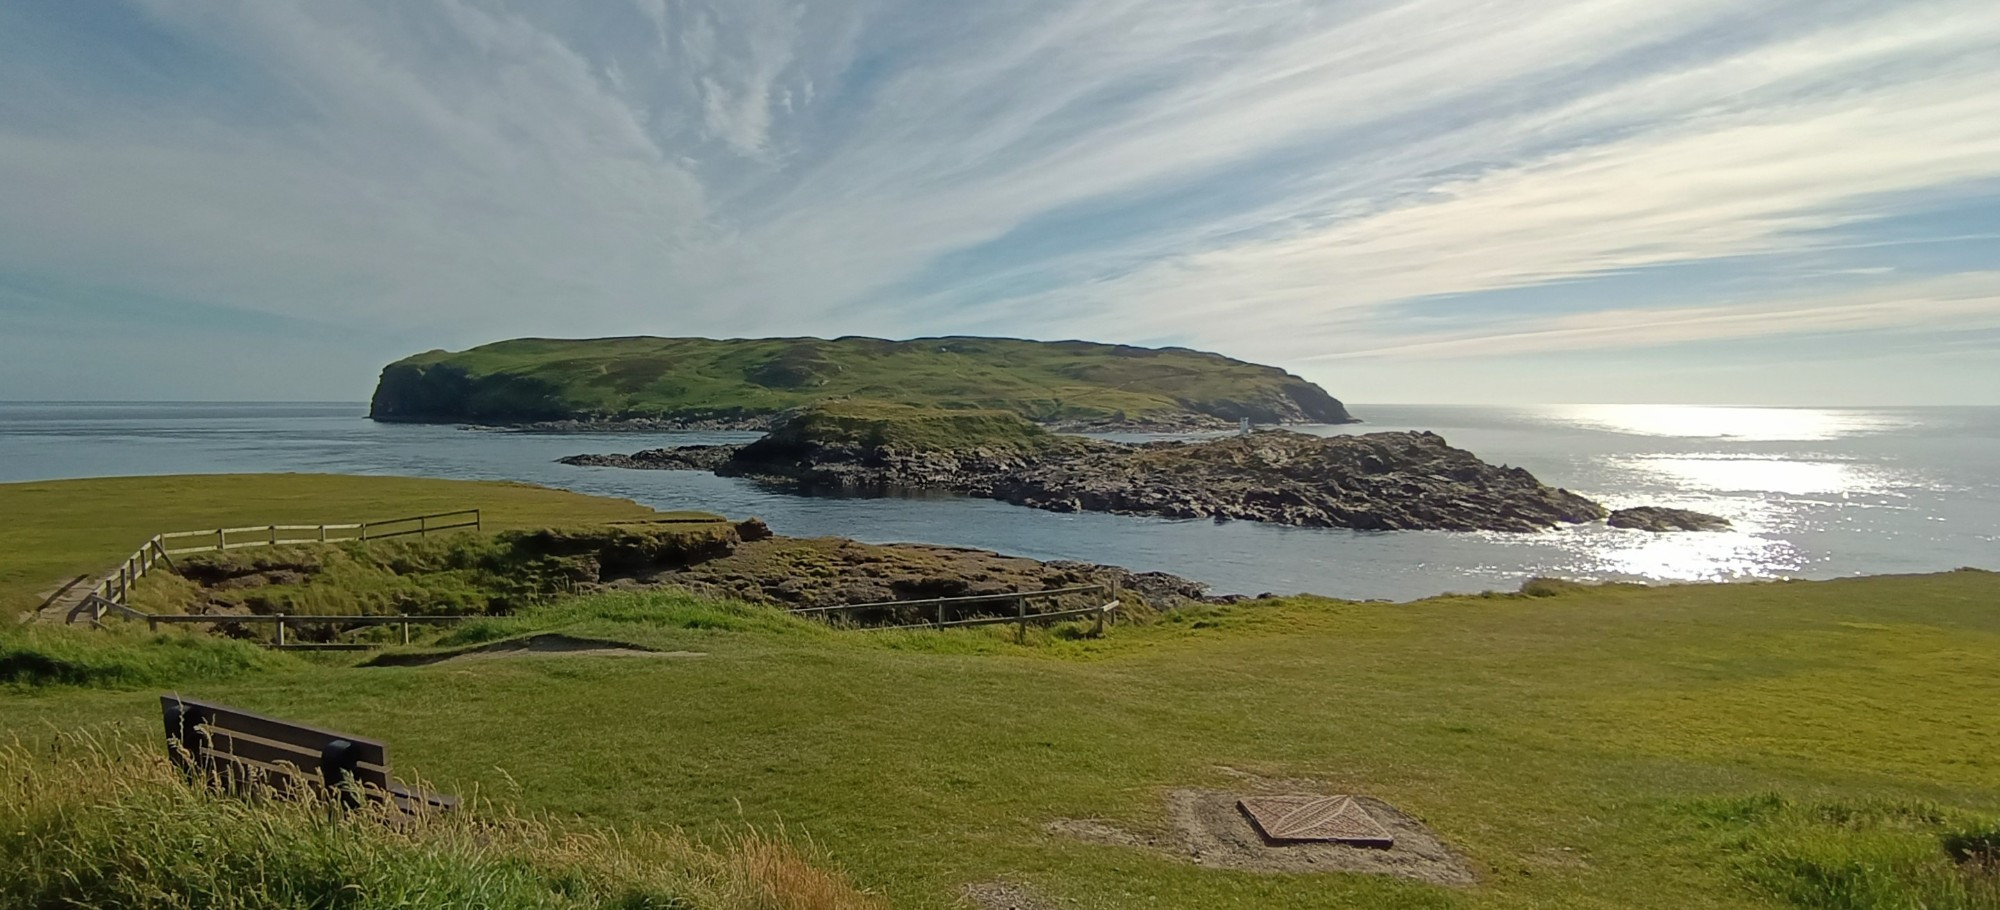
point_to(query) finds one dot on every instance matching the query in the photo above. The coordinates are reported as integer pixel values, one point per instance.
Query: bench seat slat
(283, 778)
(231, 742)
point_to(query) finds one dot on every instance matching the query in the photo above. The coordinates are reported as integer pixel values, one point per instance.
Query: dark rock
(1661, 520)
(753, 529)
(1376, 482)
(818, 572)
(684, 458)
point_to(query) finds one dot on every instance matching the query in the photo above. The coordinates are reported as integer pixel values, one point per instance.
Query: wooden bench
(242, 752)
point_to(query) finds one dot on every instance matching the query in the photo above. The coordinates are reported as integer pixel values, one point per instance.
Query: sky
(1680, 201)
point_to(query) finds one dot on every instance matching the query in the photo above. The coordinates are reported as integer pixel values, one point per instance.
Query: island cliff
(697, 382)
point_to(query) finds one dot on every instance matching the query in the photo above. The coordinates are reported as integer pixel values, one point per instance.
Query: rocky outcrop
(685, 458)
(1376, 482)
(1661, 520)
(830, 571)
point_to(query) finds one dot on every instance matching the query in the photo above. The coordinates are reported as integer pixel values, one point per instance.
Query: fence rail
(1020, 599)
(282, 621)
(116, 587)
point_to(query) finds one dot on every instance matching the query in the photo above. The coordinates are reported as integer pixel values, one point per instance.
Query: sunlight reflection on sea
(1745, 423)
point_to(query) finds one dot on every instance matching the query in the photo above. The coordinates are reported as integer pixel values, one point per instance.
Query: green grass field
(548, 379)
(1808, 744)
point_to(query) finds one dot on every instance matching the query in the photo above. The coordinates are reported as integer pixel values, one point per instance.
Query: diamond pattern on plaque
(1336, 819)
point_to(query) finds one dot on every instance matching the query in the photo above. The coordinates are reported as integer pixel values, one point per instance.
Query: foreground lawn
(1771, 745)
(57, 530)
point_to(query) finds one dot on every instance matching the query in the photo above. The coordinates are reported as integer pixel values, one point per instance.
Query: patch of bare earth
(1210, 828)
(1216, 833)
(568, 645)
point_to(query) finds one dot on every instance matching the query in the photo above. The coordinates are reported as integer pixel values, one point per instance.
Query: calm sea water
(1814, 493)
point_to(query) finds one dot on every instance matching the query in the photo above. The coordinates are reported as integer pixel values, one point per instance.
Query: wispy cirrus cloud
(1961, 302)
(1316, 183)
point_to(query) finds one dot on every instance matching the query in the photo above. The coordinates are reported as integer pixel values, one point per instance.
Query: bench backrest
(241, 749)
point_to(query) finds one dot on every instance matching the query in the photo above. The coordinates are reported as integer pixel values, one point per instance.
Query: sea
(1812, 492)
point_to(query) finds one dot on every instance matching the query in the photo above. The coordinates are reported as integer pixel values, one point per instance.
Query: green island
(745, 381)
(1770, 745)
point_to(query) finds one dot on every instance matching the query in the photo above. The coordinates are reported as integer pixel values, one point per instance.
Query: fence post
(274, 535)
(406, 631)
(221, 539)
(423, 526)
(281, 630)
(940, 612)
(478, 521)
(1021, 614)
(322, 533)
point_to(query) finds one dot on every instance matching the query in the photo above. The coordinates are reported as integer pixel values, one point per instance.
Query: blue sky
(1708, 201)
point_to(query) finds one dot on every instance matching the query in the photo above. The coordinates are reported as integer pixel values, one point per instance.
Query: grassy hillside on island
(529, 380)
(1784, 745)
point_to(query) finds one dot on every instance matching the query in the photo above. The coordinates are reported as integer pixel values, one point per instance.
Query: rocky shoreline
(755, 424)
(760, 423)
(798, 573)
(1374, 482)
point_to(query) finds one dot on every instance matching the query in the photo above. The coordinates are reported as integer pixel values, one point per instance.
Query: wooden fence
(116, 587)
(1020, 615)
(282, 621)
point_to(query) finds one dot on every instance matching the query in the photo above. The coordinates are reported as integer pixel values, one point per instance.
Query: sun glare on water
(1716, 422)
(1794, 477)
(1694, 557)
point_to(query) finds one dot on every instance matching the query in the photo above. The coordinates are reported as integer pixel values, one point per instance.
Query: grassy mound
(33, 657)
(546, 379)
(638, 617)
(1875, 855)
(450, 574)
(88, 825)
(56, 530)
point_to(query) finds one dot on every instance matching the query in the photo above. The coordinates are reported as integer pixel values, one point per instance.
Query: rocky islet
(1377, 482)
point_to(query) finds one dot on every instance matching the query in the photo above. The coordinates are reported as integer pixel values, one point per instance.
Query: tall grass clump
(1859, 856)
(84, 824)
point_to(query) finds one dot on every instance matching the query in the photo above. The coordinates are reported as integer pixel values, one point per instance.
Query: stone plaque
(1335, 819)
